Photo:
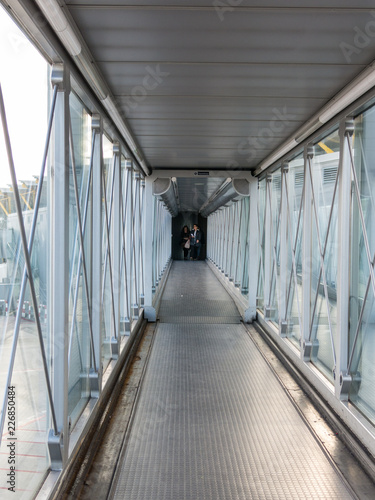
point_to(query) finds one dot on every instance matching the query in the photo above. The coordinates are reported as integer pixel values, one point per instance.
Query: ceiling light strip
(349, 94)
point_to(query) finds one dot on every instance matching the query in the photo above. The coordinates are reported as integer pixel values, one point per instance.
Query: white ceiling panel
(194, 83)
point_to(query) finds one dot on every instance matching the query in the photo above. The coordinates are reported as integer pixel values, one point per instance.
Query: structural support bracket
(55, 448)
(310, 349)
(283, 328)
(113, 342)
(349, 384)
(125, 327)
(94, 383)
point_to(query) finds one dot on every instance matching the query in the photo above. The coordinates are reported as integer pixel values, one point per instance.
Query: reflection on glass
(362, 311)
(126, 254)
(294, 190)
(323, 307)
(26, 112)
(79, 327)
(243, 247)
(261, 236)
(107, 315)
(275, 204)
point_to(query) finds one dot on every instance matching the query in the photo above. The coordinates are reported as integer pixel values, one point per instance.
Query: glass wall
(80, 176)
(316, 280)
(228, 242)
(107, 252)
(24, 407)
(262, 241)
(161, 241)
(293, 206)
(60, 338)
(323, 173)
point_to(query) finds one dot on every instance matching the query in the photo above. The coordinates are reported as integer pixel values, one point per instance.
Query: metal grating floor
(212, 422)
(194, 295)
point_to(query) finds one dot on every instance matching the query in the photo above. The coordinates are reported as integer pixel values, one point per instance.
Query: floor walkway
(212, 421)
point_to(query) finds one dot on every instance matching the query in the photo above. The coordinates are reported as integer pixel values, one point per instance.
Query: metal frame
(55, 437)
(120, 220)
(228, 234)
(346, 379)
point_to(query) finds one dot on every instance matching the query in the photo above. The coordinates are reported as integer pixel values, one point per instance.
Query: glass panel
(275, 245)
(363, 333)
(124, 293)
(26, 108)
(294, 187)
(244, 244)
(261, 228)
(107, 315)
(79, 327)
(323, 307)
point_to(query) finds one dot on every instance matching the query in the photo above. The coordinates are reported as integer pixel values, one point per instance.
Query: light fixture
(308, 129)
(63, 27)
(359, 86)
(281, 151)
(163, 188)
(56, 17)
(231, 190)
(348, 95)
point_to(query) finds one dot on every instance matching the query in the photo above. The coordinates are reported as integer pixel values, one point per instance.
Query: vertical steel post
(253, 257)
(141, 243)
(149, 249)
(59, 445)
(343, 264)
(268, 248)
(97, 236)
(283, 250)
(116, 244)
(306, 251)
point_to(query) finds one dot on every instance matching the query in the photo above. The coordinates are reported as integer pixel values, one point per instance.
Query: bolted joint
(349, 385)
(113, 343)
(283, 328)
(269, 312)
(94, 383)
(60, 77)
(349, 127)
(55, 448)
(135, 311)
(310, 349)
(125, 326)
(285, 168)
(310, 151)
(345, 384)
(96, 122)
(116, 148)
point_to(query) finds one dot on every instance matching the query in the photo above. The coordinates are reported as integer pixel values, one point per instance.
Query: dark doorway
(187, 219)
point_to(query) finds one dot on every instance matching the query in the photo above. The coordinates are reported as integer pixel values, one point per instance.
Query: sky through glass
(23, 77)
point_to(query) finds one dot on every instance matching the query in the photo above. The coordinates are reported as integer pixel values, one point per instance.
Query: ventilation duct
(230, 190)
(165, 189)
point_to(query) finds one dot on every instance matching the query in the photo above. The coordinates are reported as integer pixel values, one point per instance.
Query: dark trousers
(195, 251)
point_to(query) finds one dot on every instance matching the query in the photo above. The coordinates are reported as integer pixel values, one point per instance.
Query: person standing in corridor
(185, 241)
(195, 242)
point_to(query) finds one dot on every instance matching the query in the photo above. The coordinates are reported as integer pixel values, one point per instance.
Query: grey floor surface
(212, 420)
